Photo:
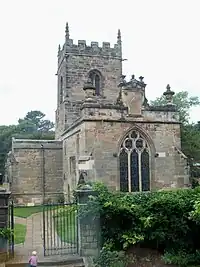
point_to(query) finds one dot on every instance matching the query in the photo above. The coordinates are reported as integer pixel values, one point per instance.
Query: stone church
(105, 128)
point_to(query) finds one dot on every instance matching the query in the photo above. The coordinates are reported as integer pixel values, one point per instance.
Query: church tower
(77, 63)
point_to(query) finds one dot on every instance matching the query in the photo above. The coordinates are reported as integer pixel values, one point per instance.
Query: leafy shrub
(109, 258)
(164, 220)
(195, 214)
(6, 233)
(181, 258)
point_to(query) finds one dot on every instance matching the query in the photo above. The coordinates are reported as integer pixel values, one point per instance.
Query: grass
(65, 223)
(25, 212)
(19, 233)
(66, 226)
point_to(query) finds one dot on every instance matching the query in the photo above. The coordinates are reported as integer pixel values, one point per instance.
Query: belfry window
(134, 160)
(96, 81)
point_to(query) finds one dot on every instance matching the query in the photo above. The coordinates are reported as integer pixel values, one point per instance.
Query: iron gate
(60, 235)
(11, 227)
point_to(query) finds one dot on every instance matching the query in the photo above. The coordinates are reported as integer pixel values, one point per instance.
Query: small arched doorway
(134, 163)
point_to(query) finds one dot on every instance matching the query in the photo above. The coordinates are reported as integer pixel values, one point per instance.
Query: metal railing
(60, 234)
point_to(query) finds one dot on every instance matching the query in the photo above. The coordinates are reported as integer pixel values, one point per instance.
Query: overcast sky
(160, 40)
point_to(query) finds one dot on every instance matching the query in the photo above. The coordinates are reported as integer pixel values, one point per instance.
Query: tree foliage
(190, 139)
(34, 122)
(167, 221)
(190, 133)
(32, 126)
(184, 103)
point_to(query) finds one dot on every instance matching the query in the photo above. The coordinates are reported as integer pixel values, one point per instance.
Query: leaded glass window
(123, 171)
(134, 160)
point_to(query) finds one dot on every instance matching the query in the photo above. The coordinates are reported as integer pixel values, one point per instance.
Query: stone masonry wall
(30, 181)
(102, 111)
(74, 67)
(105, 138)
(89, 240)
(89, 230)
(102, 139)
(60, 121)
(78, 67)
(73, 147)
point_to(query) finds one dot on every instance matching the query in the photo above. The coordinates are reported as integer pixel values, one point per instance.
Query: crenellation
(91, 50)
(105, 45)
(82, 44)
(95, 45)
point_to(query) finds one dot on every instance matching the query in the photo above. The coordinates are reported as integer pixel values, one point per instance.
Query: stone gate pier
(4, 222)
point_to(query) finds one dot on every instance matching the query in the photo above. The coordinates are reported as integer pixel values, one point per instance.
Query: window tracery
(134, 160)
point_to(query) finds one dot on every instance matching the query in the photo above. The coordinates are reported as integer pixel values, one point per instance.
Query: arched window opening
(95, 78)
(134, 164)
(61, 89)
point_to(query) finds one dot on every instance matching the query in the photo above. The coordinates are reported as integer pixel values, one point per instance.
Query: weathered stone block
(88, 232)
(37, 175)
(90, 239)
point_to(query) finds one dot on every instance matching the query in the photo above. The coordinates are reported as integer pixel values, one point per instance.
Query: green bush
(181, 257)
(6, 233)
(165, 220)
(110, 258)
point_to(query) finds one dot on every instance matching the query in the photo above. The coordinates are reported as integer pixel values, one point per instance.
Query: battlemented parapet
(94, 49)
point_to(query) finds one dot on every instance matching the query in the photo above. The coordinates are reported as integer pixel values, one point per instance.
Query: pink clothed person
(33, 261)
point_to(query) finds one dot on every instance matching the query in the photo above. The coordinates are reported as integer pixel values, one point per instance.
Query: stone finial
(132, 77)
(89, 89)
(169, 95)
(133, 82)
(122, 81)
(119, 35)
(67, 31)
(119, 44)
(141, 79)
